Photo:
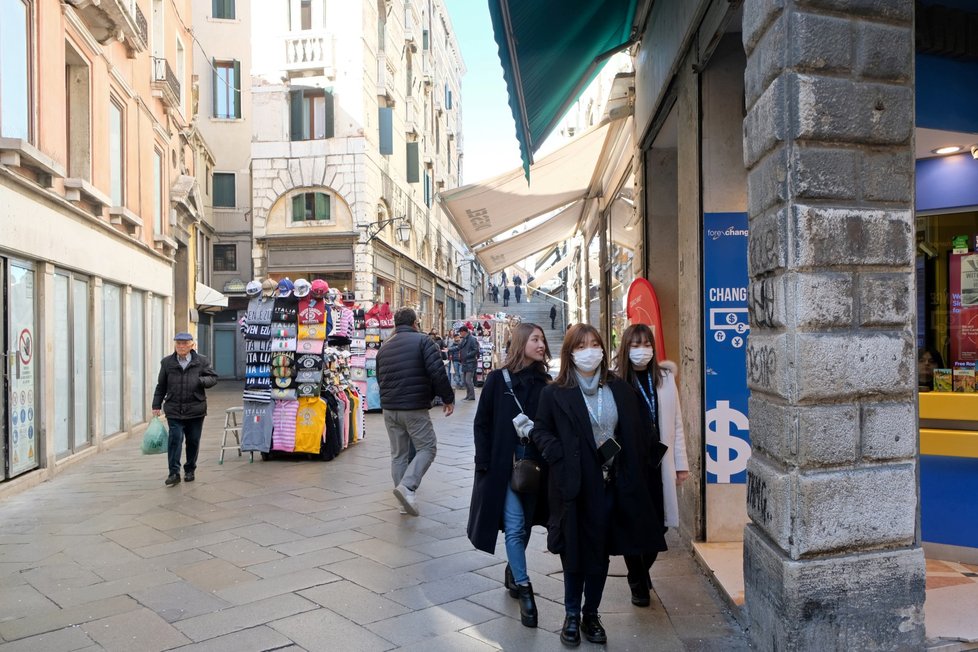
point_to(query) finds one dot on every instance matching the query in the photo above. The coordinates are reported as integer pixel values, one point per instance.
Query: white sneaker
(408, 501)
(401, 510)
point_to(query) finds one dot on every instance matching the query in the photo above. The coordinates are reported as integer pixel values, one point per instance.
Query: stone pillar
(832, 557)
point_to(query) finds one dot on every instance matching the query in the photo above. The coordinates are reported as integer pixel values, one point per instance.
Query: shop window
(224, 193)
(70, 358)
(137, 358)
(222, 9)
(311, 207)
(227, 89)
(158, 331)
(15, 69)
(385, 123)
(117, 155)
(111, 356)
(225, 258)
(310, 114)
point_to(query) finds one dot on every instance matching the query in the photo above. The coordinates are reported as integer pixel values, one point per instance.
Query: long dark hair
(575, 335)
(516, 359)
(625, 368)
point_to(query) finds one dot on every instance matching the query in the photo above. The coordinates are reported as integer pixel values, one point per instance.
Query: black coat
(180, 392)
(582, 528)
(495, 443)
(468, 351)
(410, 372)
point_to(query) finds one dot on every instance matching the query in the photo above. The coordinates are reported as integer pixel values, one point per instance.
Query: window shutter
(216, 6)
(329, 114)
(229, 9)
(449, 98)
(298, 208)
(215, 86)
(413, 169)
(296, 123)
(237, 88)
(386, 122)
(322, 206)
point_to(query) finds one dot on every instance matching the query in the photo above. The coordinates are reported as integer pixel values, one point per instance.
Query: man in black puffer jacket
(180, 393)
(410, 374)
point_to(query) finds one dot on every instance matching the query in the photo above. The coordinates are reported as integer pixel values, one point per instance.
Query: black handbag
(526, 472)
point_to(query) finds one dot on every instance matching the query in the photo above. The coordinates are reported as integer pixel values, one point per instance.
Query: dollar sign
(731, 452)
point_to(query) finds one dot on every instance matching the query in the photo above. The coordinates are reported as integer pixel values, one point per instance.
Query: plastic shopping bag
(155, 438)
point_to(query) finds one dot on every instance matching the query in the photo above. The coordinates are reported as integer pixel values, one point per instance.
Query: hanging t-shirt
(286, 309)
(312, 331)
(258, 345)
(283, 394)
(259, 395)
(264, 382)
(310, 422)
(256, 429)
(283, 344)
(259, 311)
(283, 437)
(309, 361)
(312, 310)
(258, 357)
(310, 346)
(283, 329)
(258, 332)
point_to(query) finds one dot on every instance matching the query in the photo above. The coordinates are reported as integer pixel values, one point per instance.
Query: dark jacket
(553, 312)
(410, 372)
(581, 527)
(180, 392)
(495, 443)
(506, 293)
(468, 352)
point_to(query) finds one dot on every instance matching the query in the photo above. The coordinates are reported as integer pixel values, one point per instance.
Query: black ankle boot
(511, 583)
(640, 594)
(593, 630)
(528, 606)
(570, 633)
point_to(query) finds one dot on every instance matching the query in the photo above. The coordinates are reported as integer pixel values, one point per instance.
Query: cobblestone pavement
(297, 555)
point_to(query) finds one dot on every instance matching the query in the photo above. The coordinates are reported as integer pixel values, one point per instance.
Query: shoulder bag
(526, 472)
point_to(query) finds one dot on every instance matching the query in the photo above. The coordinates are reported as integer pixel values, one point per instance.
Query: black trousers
(590, 584)
(638, 568)
(181, 429)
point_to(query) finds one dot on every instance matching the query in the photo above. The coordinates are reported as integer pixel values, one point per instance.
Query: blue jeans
(180, 429)
(517, 519)
(456, 374)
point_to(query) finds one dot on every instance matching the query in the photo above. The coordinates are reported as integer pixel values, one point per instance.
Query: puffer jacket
(180, 392)
(410, 372)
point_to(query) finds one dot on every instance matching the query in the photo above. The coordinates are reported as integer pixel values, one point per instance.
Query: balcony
(166, 86)
(310, 50)
(109, 20)
(426, 73)
(411, 116)
(385, 77)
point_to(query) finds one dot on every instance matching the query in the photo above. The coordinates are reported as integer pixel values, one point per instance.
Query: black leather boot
(528, 606)
(593, 630)
(641, 597)
(511, 583)
(570, 633)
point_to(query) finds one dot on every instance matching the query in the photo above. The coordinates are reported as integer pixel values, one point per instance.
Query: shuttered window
(222, 9)
(310, 114)
(413, 163)
(310, 207)
(386, 126)
(224, 189)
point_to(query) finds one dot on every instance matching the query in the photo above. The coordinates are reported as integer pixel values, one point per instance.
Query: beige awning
(508, 252)
(483, 210)
(552, 271)
(206, 296)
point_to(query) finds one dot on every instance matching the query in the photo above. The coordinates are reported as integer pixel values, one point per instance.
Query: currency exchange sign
(725, 347)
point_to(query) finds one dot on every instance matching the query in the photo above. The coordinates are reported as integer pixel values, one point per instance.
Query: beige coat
(671, 434)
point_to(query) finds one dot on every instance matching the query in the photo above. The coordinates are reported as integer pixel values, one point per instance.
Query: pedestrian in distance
(589, 429)
(505, 297)
(495, 504)
(553, 318)
(181, 386)
(455, 361)
(655, 384)
(410, 374)
(518, 291)
(517, 280)
(468, 353)
(504, 278)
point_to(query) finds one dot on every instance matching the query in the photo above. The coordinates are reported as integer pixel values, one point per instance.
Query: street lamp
(403, 230)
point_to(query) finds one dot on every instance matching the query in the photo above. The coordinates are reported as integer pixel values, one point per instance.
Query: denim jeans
(456, 374)
(517, 520)
(179, 430)
(469, 377)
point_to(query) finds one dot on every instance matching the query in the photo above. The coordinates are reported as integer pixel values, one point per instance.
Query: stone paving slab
(293, 554)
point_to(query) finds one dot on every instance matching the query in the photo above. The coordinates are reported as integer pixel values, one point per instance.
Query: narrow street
(298, 555)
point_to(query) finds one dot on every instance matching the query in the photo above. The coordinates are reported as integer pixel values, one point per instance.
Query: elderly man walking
(180, 393)
(410, 374)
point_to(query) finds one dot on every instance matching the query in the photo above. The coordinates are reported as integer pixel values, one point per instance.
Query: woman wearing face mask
(495, 505)
(588, 428)
(655, 384)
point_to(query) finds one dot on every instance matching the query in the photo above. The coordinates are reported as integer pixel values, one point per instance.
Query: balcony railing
(142, 26)
(309, 50)
(411, 116)
(165, 80)
(109, 20)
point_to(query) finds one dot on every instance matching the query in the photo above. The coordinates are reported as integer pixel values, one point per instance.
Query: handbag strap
(509, 385)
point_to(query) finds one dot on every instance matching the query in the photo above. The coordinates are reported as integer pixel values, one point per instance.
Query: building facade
(356, 125)
(100, 213)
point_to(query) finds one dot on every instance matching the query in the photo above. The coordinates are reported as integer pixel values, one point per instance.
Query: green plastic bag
(155, 438)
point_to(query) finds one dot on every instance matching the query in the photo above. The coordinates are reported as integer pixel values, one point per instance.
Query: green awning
(550, 51)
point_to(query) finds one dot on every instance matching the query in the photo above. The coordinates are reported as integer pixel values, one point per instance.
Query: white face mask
(641, 356)
(587, 360)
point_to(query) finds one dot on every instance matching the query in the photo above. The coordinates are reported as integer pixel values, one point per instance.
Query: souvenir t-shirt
(283, 394)
(312, 310)
(309, 361)
(258, 370)
(282, 359)
(308, 389)
(258, 332)
(308, 376)
(263, 382)
(256, 430)
(258, 357)
(283, 416)
(312, 331)
(260, 395)
(259, 311)
(286, 309)
(258, 345)
(283, 344)
(310, 346)
(310, 422)
(282, 329)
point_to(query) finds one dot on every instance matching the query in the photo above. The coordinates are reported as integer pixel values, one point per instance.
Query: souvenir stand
(371, 329)
(299, 395)
(484, 363)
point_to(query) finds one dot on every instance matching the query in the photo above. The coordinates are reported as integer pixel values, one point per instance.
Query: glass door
(22, 453)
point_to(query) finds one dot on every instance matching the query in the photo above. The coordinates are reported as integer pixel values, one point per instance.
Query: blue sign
(726, 325)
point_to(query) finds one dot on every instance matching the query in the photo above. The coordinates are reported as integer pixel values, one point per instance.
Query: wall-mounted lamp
(950, 149)
(403, 230)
